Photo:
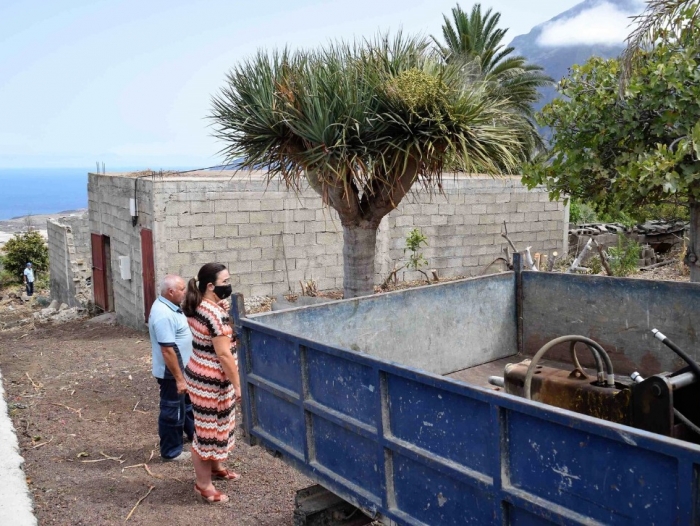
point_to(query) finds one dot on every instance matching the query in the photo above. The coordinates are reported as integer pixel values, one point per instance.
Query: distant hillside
(558, 59)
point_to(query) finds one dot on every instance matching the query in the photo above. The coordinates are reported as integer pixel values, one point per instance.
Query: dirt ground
(81, 392)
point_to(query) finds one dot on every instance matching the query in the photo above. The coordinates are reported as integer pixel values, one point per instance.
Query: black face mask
(223, 291)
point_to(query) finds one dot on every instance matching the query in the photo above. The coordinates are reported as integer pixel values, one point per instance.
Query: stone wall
(108, 203)
(271, 239)
(70, 260)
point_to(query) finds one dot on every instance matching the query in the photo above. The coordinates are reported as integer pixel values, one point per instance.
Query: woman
(212, 379)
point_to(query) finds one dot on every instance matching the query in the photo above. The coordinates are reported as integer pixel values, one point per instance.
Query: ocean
(25, 191)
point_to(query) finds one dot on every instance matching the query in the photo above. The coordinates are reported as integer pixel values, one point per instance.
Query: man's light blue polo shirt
(168, 327)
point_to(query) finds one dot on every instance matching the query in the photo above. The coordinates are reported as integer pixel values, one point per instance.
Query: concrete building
(145, 225)
(70, 261)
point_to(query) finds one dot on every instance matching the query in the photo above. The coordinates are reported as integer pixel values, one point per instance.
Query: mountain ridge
(558, 60)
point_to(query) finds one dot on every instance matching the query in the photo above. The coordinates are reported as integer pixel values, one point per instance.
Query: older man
(171, 346)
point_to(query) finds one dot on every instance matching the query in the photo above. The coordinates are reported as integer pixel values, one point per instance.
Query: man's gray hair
(168, 282)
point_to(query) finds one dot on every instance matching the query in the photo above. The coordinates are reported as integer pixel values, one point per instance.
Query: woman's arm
(222, 347)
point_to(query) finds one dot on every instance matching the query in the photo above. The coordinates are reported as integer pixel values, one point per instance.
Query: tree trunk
(693, 257)
(358, 260)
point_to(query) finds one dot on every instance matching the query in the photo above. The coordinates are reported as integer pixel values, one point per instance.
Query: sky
(129, 83)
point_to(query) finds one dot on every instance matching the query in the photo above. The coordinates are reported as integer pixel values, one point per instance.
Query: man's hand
(181, 386)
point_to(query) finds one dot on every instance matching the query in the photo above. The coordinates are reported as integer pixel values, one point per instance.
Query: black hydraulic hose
(668, 343)
(609, 381)
(686, 421)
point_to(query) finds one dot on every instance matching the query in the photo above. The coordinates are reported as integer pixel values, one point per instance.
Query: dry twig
(77, 411)
(148, 470)
(603, 259)
(37, 386)
(42, 444)
(504, 235)
(107, 457)
(134, 466)
(151, 488)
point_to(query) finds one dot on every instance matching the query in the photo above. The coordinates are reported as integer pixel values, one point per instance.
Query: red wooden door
(99, 278)
(149, 271)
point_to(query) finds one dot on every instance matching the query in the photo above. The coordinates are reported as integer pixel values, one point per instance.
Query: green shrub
(414, 240)
(24, 247)
(580, 213)
(624, 258)
(595, 265)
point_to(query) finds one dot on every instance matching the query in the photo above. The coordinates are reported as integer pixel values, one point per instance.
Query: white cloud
(603, 24)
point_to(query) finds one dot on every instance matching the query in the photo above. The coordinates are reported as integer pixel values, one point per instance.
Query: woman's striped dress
(212, 394)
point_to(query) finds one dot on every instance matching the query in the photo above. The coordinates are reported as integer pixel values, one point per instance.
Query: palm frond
(352, 118)
(655, 23)
(474, 40)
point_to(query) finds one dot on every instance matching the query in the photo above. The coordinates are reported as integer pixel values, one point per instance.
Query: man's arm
(165, 336)
(170, 358)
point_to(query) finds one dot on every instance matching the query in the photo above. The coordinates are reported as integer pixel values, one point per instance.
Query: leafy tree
(622, 151)
(475, 40)
(22, 248)
(361, 123)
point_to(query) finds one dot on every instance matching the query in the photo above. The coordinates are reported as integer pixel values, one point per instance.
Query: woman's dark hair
(197, 287)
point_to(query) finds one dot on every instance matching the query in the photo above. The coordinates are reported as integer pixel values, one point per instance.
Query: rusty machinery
(664, 403)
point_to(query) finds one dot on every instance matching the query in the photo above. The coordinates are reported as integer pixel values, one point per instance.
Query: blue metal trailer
(364, 396)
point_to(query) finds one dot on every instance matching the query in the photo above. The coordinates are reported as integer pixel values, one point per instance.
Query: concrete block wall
(70, 259)
(266, 236)
(270, 239)
(108, 209)
(464, 225)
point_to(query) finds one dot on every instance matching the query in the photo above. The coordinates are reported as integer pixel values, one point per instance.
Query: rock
(54, 305)
(24, 297)
(109, 318)
(68, 315)
(63, 306)
(16, 323)
(42, 301)
(43, 314)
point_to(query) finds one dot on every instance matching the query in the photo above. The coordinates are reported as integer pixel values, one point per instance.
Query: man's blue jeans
(175, 419)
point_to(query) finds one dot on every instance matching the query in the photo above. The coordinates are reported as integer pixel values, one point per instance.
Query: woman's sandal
(213, 496)
(224, 474)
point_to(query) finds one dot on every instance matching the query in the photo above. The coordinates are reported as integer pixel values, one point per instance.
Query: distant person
(171, 347)
(29, 279)
(212, 379)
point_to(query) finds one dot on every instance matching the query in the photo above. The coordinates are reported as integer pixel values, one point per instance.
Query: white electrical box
(132, 207)
(125, 267)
